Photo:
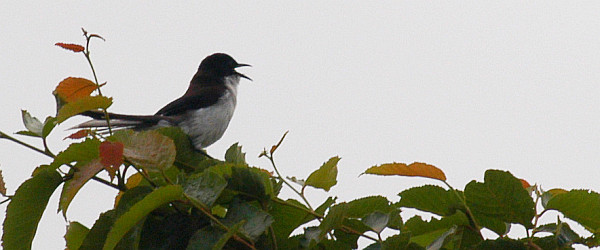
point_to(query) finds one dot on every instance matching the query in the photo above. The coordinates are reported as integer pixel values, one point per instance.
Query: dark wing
(203, 98)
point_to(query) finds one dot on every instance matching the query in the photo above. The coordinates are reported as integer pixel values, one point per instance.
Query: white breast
(207, 125)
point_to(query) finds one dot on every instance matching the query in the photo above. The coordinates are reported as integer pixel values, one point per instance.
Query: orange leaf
(111, 156)
(74, 88)
(414, 169)
(79, 134)
(525, 183)
(2, 185)
(72, 47)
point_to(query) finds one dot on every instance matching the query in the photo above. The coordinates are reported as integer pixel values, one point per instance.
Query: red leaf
(72, 47)
(79, 134)
(525, 183)
(111, 156)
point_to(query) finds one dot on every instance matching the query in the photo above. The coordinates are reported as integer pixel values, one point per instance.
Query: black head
(220, 65)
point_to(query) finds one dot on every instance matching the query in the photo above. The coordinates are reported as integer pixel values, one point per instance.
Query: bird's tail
(120, 121)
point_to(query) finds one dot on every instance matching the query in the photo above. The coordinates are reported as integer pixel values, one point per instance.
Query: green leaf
(501, 244)
(320, 209)
(223, 240)
(137, 212)
(82, 153)
(82, 173)
(501, 196)
(149, 150)
(49, 125)
(235, 155)
(492, 223)
(167, 229)
(26, 207)
(582, 206)
(94, 240)
(27, 133)
(563, 235)
(254, 183)
(348, 238)
(363, 206)
(81, 105)
(207, 238)
(187, 156)
(311, 236)
(432, 199)
(75, 235)
(286, 218)
(440, 241)
(32, 124)
(399, 241)
(324, 177)
(205, 188)
(257, 221)
(334, 218)
(425, 232)
(377, 221)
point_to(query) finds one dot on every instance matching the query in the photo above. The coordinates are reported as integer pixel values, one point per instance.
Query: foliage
(178, 198)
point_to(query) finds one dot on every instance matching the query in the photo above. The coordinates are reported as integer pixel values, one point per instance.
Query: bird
(203, 112)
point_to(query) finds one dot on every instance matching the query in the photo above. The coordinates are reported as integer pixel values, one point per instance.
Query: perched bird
(203, 112)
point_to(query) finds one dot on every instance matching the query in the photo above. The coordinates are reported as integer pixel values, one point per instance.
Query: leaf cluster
(172, 196)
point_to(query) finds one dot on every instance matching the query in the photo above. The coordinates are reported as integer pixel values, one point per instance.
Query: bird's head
(221, 65)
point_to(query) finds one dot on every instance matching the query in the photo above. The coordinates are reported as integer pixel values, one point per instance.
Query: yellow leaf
(133, 181)
(81, 105)
(414, 169)
(74, 88)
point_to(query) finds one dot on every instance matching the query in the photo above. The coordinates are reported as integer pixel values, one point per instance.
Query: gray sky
(465, 86)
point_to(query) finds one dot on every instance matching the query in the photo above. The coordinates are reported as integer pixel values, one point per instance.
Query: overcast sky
(465, 86)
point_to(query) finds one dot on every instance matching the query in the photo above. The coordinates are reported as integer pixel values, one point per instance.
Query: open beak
(240, 74)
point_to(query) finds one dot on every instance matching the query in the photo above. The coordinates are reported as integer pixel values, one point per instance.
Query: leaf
(74, 88)
(501, 196)
(363, 206)
(414, 169)
(324, 177)
(274, 147)
(82, 173)
(32, 124)
(399, 241)
(205, 188)
(111, 156)
(235, 155)
(69, 46)
(416, 226)
(501, 244)
(76, 233)
(377, 221)
(334, 218)
(212, 238)
(440, 241)
(97, 235)
(148, 150)
(432, 199)
(139, 210)
(79, 134)
(171, 230)
(187, 156)
(81, 105)
(311, 236)
(252, 182)
(582, 206)
(2, 185)
(257, 221)
(26, 207)
(525, 183)
(546, 196)
(286, 218)
(49, 125)
(81, 152)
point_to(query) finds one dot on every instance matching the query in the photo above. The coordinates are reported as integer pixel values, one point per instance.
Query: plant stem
(86, 53)
(270, 157)
(49, 154)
